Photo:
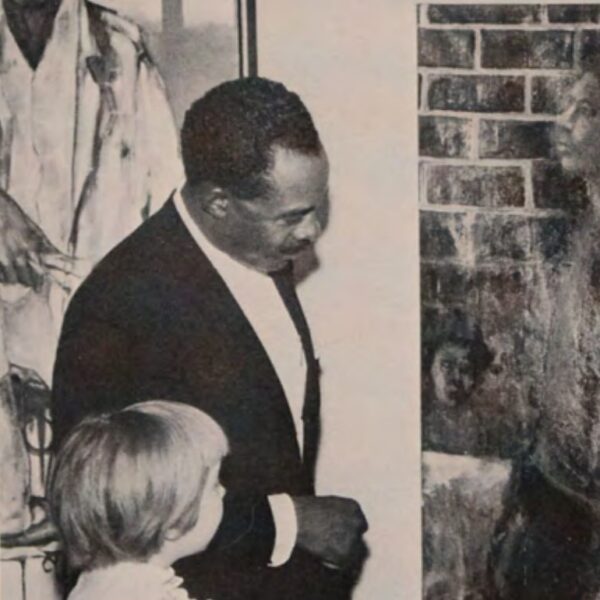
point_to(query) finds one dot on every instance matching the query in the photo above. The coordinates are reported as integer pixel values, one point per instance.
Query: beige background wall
(192, 58)
(353, 63)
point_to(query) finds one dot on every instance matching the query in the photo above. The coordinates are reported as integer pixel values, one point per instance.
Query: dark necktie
(284, 281)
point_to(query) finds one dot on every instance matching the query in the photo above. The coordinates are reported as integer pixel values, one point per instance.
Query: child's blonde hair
(123, 479)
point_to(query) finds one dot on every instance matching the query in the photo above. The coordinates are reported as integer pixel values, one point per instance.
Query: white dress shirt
(262, 305)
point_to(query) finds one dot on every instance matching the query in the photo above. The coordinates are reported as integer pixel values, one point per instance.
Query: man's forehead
(294, 181)
(293, 167)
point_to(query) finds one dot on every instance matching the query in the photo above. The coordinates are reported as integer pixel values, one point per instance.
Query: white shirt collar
(258, 298)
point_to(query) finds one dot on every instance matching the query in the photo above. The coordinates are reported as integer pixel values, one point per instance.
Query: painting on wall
(194, 43)
(508, 122)
(88, 150)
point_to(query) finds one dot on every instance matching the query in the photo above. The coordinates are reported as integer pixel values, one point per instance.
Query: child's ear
(172, 534)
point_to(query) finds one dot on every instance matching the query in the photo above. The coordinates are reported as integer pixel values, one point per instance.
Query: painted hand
(22, 244)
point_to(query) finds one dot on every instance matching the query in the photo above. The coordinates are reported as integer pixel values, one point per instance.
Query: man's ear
(216, 203)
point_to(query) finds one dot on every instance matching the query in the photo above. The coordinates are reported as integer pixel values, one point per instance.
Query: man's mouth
(295, 250)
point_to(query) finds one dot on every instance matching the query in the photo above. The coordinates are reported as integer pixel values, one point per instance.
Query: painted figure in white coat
(88, 149)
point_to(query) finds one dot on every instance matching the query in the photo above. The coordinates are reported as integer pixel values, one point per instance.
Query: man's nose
(309, 229)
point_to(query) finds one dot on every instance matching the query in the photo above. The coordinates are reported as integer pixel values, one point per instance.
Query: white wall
(195, 12)
(352, 62)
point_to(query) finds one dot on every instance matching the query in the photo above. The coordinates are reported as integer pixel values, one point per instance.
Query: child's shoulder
(125, 581)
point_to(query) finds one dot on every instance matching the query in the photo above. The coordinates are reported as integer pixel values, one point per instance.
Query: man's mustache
(297, 248)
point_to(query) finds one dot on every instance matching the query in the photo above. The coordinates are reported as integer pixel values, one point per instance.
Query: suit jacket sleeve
(99, 368)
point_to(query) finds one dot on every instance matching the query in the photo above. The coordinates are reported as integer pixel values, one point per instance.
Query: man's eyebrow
(297, 212)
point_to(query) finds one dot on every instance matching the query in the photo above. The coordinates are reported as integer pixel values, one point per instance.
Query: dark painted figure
(548, 543)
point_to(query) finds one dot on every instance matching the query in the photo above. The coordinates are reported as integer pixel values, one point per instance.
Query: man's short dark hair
(228, 135)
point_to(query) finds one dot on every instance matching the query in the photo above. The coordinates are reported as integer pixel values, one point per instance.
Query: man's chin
(280, 261)
(297, 253)
(267, 267)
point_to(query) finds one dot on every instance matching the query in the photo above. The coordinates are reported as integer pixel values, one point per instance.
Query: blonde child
(132, 492)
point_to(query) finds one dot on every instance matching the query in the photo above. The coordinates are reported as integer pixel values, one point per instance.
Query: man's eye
(291, 220)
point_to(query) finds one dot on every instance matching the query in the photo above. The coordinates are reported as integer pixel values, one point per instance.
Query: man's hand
(22, 243)
(331, 528)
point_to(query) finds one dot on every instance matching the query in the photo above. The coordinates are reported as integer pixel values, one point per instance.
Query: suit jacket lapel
(227, 314)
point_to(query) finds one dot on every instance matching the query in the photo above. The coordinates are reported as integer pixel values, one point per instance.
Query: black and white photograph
(209, 302)
(509, 144)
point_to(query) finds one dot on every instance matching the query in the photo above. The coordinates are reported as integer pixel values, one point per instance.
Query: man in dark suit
(198, 305)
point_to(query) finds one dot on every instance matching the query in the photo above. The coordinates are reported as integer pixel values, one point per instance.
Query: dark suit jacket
(155, 320)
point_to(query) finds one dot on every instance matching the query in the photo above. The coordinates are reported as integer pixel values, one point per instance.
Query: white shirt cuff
(286, 528)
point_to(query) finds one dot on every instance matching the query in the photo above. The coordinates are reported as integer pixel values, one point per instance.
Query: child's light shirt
(129, 581)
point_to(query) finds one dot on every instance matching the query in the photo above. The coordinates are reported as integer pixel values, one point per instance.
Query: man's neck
(31, 22)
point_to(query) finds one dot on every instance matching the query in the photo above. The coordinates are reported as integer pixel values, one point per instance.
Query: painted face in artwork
(453, 374)
(577, 136)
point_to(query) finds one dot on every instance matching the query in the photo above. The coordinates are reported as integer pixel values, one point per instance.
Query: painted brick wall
(494, 204)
